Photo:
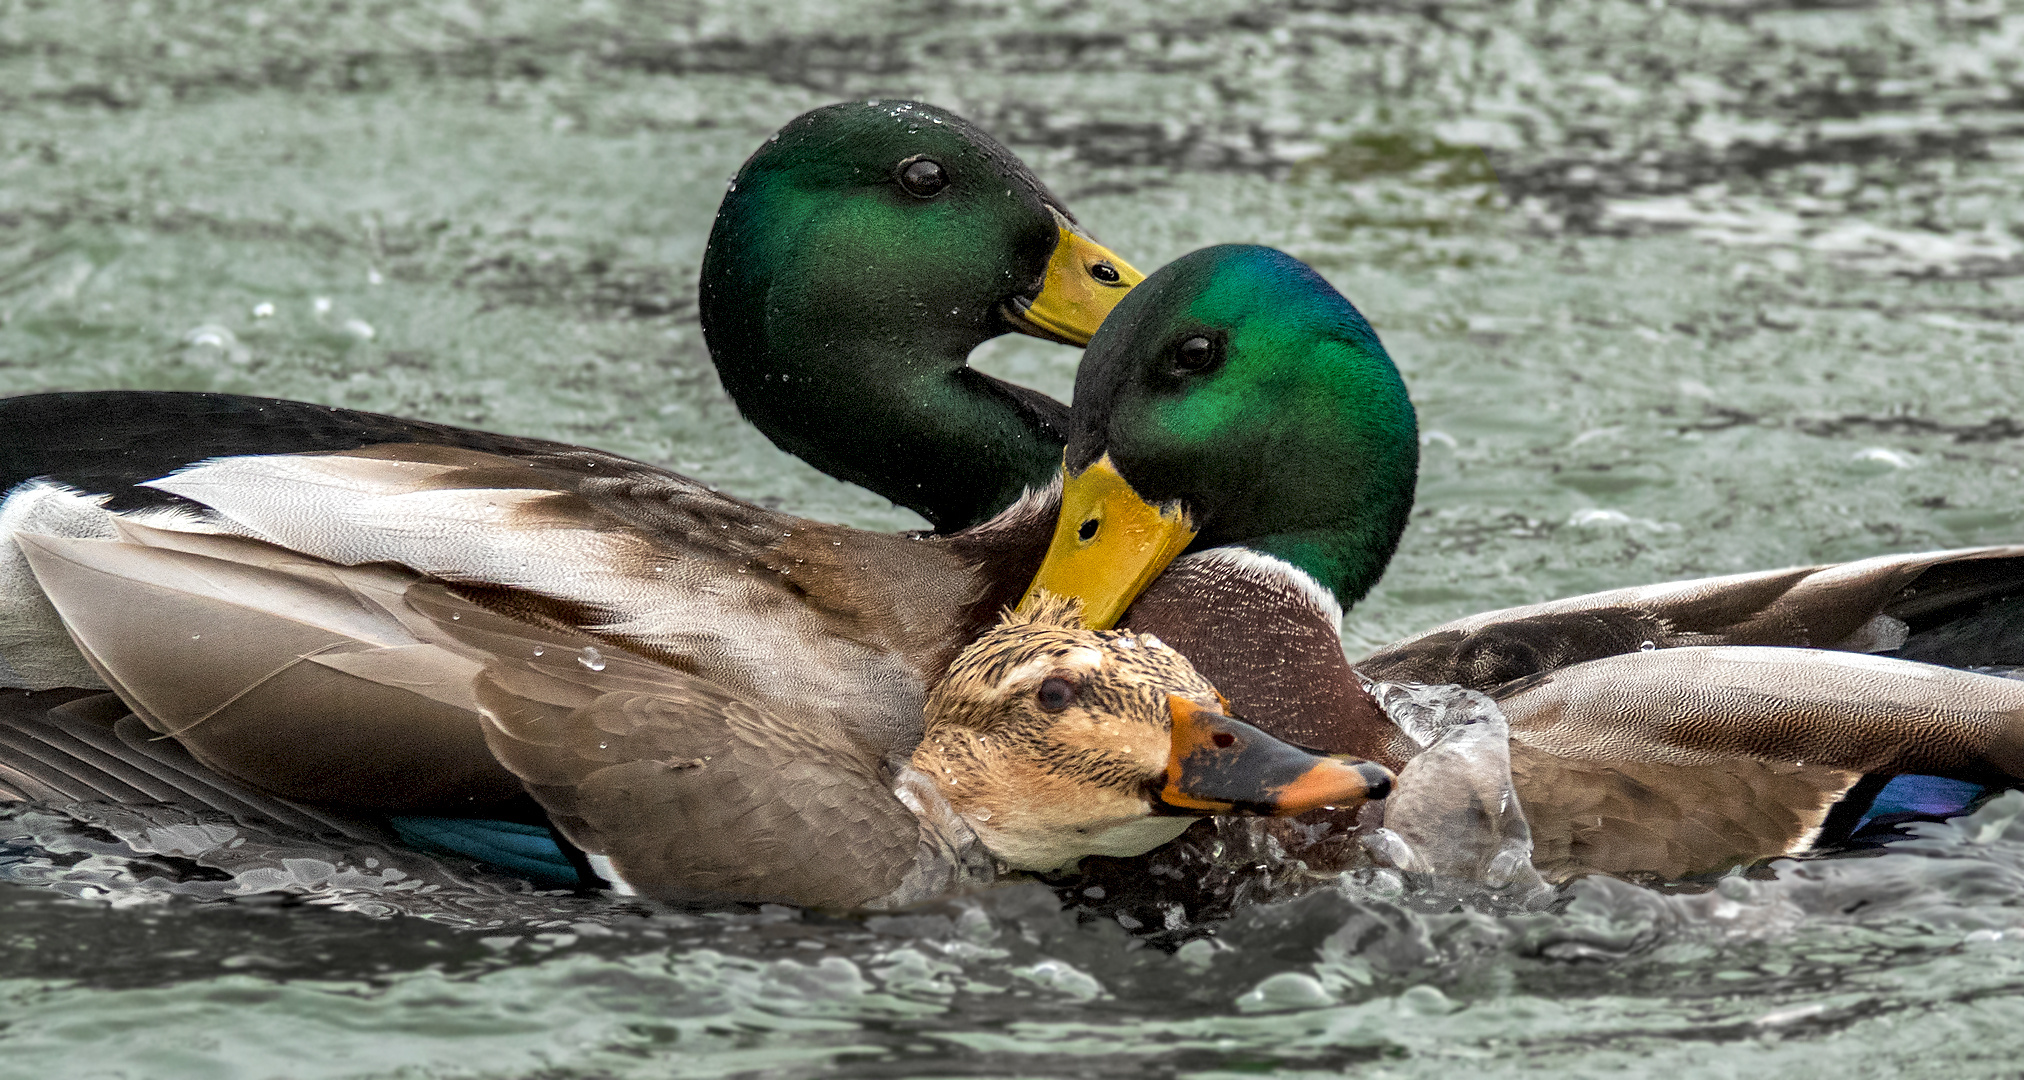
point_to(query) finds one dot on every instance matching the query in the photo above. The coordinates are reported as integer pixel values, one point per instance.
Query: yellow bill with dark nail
(1220, 765)
(1084, 281)
(1108, 545)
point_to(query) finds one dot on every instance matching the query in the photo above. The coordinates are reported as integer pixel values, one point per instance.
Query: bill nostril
(1105, 273)
(1088, 530)
(1377, 778)
(1224, 739)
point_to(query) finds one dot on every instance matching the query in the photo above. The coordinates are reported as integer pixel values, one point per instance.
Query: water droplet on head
(538, 651)
(591, 658)
(1648, 646)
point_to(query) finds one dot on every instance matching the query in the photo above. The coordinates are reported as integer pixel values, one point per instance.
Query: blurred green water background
(1678, 289)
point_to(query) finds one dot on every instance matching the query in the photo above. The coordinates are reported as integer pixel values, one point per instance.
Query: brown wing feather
(245, 664)
(1696, 706)
(1825, 607)
(1688, 761)
(61, 748)
(779, 609)
(1666, 822)
(696, 795)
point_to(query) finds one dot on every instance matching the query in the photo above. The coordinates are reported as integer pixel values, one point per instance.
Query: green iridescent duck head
(858, 258)
(1240, 386)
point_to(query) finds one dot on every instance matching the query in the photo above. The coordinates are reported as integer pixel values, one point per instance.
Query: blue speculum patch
(531, 851)
(1920, 798)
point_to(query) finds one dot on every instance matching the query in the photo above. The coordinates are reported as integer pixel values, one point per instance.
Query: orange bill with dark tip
(1220, 765)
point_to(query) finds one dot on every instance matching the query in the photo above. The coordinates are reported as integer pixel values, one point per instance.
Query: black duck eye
(1055, 694)
(1194, 353)
(923, 177)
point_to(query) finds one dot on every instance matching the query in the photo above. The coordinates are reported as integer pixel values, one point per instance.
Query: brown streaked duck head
(1054, 741)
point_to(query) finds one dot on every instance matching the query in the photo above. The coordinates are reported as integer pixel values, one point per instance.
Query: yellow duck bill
(1222, 765)
(1109, 544)
(1084, 280)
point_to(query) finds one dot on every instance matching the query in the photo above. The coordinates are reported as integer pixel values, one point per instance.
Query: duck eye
(923, 177)
(1055, 694)
(1194, 353)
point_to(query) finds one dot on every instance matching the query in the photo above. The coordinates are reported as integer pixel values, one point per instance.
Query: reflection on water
(1679, 289)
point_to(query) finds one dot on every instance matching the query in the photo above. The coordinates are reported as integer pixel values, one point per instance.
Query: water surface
(1679, 289)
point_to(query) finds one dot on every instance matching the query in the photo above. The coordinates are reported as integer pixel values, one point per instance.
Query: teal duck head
(1239, 386)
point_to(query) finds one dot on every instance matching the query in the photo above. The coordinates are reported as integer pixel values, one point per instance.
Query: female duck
(1046, 742)
(330, 629)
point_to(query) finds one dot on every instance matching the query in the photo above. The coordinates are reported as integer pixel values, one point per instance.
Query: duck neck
(909, 420)
(1269, 639)
(1347, 562)
(850, 349)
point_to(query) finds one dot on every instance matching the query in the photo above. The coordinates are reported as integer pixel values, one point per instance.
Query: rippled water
(1678, 289)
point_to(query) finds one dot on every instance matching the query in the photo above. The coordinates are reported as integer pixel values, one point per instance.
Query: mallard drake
(755, 732)
(1664, 730)
(858, 258)
(1307, 509)
(1250, 392)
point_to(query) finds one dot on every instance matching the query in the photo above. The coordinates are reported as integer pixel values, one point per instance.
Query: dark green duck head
(1238, 386)
(856, 261)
